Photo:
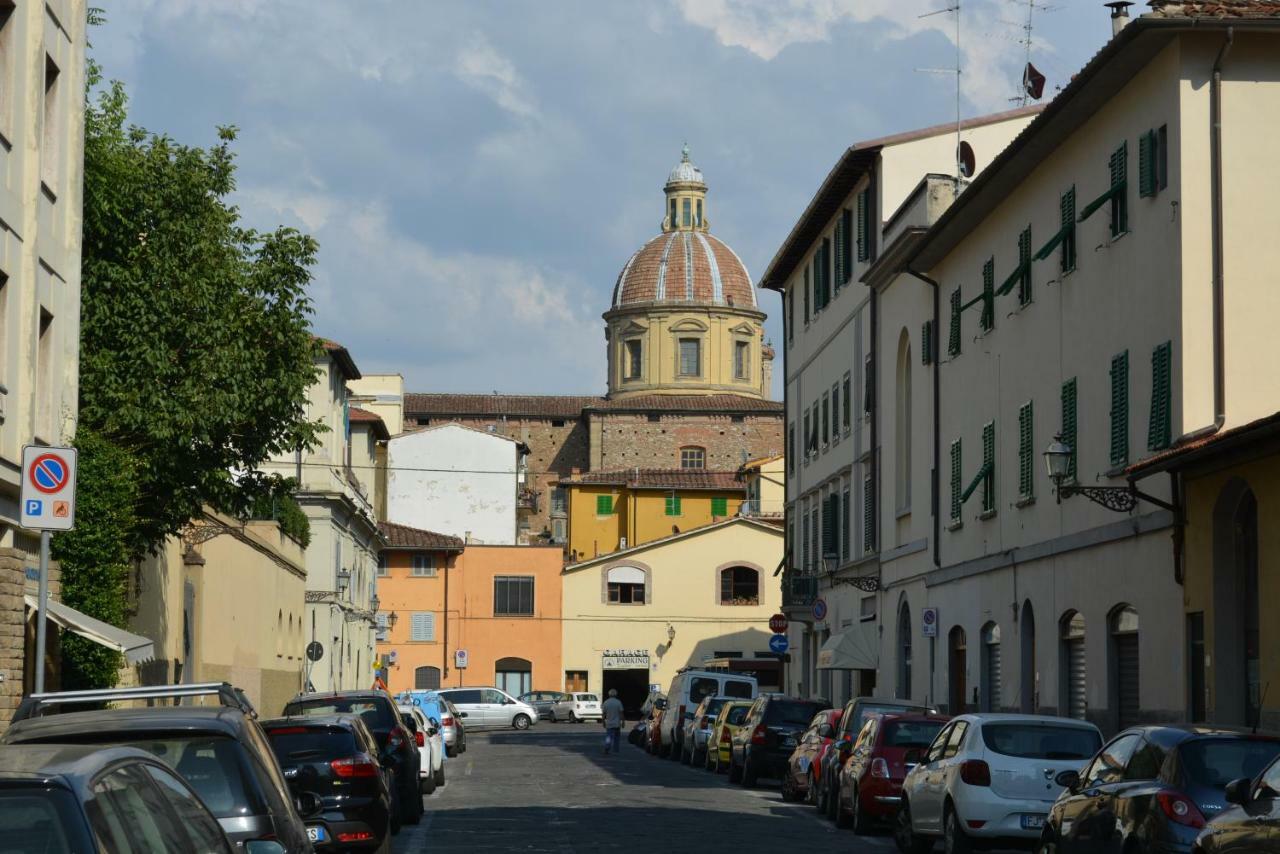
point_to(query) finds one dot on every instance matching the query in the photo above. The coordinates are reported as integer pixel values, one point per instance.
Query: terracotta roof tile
(661, 479)
(685, 266)
(1215, 8)
(1166, 459)
(496, 405)
(364, 416)
(405, 537)
(690, 403)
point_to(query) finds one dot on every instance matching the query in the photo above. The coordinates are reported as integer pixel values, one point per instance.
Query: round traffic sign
(49, 473)
(779, 644)
(315, 650)
(778, 623)
(819, 609)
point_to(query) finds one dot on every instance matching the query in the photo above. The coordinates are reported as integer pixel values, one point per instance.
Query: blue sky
(478, 172)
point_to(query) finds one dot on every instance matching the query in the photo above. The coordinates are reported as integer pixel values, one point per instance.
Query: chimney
(1119, 15)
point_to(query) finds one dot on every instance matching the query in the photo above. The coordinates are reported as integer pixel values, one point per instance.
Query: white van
(687, 690)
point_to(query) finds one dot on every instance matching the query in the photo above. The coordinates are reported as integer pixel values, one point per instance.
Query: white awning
(136, 648)
(853, 649)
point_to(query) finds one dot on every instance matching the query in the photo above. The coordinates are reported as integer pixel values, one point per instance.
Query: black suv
(397, 749)
(768, 735)
(335, 758)
(220, 751)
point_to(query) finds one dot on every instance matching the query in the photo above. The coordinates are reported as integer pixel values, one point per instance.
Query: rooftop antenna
(955, 7)
(1032, 79)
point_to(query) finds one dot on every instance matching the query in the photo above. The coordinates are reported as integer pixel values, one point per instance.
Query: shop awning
(852, 649)
(136, 648)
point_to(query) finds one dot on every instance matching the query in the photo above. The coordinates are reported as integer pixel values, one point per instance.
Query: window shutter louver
(806, 296)
(1160, 428)
(839, 250)
(719, 507)
(1026, 452)
(864, 230)
(1119, 206)
(987, 319)
(868, 514)
(423, 626)
(1024, 264)
(846, 243)
(955, 480)
(604, 505)
(1069, 424)
(1068, 203)
(1146, 164)
(926, 342)
(1120, 409)
(989, 467)
(828, 526)
(846, 510)
(953, 339)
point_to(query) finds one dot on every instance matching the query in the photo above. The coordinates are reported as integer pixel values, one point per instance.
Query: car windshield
(588, 698)
(713, 705)
(736, 714)
(299, 744)
(1040, 741)
(215, 768)
(869, 709)
(911, 733)
(40, 820)
(795, 713)
(734, 688)
(379, 717)
(1218, 761)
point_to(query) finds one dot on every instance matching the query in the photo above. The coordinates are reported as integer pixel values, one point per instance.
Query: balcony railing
(798, 591)
(766, 508)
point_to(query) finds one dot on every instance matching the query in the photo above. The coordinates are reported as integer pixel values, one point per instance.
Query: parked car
(577, 707)
(220, 751)
(687, 689)
(852, 719)
(653, 729)
(768, 736)
(1251, 825)
(697, 731)
(870, 782)
(426, 734)
(396, 746)
(990, 778)
(335, 758)
(801, 778)
(490, 708)
(542, 701)
(85, 798)
(1153, 788)
(727, 722)
(438, 708)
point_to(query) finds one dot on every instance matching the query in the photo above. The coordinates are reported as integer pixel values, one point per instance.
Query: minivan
(491, 708)
(688, 689)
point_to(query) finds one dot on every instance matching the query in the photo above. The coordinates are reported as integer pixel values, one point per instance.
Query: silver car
(490, 708)
(697, 730)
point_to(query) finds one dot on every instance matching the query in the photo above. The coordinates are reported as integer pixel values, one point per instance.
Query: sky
(478, 171)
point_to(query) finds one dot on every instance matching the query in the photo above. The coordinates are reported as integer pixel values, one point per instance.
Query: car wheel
(573, 717)
(411, 806)
(427, 784)
(861, 821)
(749, 775)
(788, 786)
(395, 810)
(520, 721)
(811, 790)
(438, 776)
(735, 773)
(905, 836)
(1049, 846)
(954, 840)
(450, 751)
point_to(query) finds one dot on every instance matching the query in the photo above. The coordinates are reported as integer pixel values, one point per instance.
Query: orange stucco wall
(468, 622)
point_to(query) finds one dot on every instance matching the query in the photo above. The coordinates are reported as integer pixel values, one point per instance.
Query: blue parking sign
(34, 507)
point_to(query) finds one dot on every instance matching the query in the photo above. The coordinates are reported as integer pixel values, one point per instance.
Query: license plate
(317, 834)
(787, 741)
(1032, 822)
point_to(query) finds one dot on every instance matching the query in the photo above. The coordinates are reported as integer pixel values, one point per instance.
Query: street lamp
(1122, 499)
(392, 618)
(344, 580)
(671, 633)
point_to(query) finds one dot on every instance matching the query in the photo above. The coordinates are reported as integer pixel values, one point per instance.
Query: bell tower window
(673, 213)
(687, 219)
(634, 366)
(699, 222)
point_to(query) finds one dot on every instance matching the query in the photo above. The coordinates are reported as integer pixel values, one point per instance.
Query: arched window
(693, 457)
(957, 670)
(1073, 699)
(1125, 699)
(904, 650)
(514, 675)
(426, 678)
(902, 424)
(1029, 676)
(991, 676)
(739, 585)
(625, 585)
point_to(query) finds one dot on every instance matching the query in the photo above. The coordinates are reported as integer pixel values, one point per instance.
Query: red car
(652, 734)
(870, 782)
(804, 768)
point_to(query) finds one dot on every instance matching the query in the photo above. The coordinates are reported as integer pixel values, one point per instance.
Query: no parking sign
(48, 500)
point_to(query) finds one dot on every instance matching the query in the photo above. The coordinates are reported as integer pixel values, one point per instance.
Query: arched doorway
(514, 675)
(904, 650)
(1125, 700)
(1027, 637)
(1235, 655)
(991, 676)
(1073, 691)
(426, 678)
(957, 652)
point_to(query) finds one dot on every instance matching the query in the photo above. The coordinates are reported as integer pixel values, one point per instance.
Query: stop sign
(778, 623)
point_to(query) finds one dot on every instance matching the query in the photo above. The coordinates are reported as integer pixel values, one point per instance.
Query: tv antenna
(1032, 79)
(955, 7)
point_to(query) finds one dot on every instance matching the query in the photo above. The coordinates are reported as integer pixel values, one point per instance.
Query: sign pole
(42, 611)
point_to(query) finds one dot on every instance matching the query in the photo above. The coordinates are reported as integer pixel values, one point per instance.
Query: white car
(430, 749)
(990, 778)
(577, 707)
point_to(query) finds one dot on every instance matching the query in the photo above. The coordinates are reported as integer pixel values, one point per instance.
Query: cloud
(483, 68)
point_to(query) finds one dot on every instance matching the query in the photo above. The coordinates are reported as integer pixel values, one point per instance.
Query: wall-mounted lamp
(671, 633)
(344, 580)
(1122, 499)
(392, 618)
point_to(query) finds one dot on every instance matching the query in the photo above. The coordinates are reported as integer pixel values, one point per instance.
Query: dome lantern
(686, 192)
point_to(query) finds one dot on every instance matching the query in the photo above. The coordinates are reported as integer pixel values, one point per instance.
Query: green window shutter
(826, 272)
(1120, 409)
(1024, 264)
(846, 243)
(604, 505)
(828, 525)
(926, 342)
(1069, 423)
(1068, 203)
(1147, 164)
(719, 507)
(846, 507)
(955, 480)
(868, 514)
(806, 296)
(988, 317)
(1026, 452)
(673, 505)
(1119, 204)
(1160, 427)
(864, 226)
(953, 339)
(989, 467)
(839, 249)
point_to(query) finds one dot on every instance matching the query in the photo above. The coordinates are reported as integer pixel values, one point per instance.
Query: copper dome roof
(685, 267)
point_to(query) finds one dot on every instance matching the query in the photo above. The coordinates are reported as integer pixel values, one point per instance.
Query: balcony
(755, 508)
(798, 591)
(527, 499)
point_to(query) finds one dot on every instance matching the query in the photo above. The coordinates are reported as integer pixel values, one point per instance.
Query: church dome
(685, 172)
(685, 267)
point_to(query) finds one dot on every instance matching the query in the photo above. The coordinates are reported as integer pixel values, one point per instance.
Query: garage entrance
(632, 685)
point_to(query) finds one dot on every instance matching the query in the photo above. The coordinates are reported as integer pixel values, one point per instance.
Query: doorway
(958, 650)
(575, 680)
(1235, 653)
(632, 686)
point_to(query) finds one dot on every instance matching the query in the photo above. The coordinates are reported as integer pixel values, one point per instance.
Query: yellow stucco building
(634, 617)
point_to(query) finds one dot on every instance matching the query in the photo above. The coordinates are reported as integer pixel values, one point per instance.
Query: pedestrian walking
(612, 720)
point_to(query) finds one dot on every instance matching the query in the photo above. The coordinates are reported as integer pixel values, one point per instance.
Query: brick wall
(15, 634)
(632, 440)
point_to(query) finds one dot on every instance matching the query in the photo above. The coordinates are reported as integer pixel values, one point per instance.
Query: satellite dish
(966, 160)
(1032, 81)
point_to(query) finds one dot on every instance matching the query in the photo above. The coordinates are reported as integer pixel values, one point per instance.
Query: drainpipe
(1215, 213)
(937, 397)
(445, 609)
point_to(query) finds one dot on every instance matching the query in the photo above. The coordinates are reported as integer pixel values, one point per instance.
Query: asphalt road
(552, 789)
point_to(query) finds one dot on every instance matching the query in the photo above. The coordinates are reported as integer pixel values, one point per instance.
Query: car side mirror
(508, 702)
(1068, 779)
(308, 804)
(845, 748)
(432, 731)
(462, 714)
(263, 846)
(826, 731)
(1238, 791)
(435, 723)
